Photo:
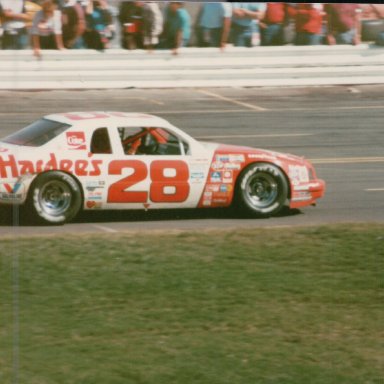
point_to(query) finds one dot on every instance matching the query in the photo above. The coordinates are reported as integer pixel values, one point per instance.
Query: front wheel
(55, 198)
(262, 190)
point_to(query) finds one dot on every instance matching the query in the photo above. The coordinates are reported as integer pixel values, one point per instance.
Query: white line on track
(254, 136)
(348, 160)
(217, 96)
(374, 190)
(104, 229)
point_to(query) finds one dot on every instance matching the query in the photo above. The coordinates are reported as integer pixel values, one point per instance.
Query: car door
(156, 169)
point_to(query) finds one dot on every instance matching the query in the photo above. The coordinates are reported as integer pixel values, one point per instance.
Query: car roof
(92, 118)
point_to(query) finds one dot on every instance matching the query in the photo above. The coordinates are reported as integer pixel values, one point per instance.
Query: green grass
(245, 306)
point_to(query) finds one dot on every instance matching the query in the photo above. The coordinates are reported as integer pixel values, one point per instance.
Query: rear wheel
(262, 190)
(55, 198)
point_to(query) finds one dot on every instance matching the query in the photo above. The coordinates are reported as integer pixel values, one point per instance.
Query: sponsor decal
(236, 158)
(10, 167)
(207, 203)
(261, 156)
(11, 191)
(95, 196)
(76, 116)
(216, 177)
(208, 194)
(212, 188)
(76, 140)
(219, 201)
(3, 149)
(93, 204)
(216, 165)
(300, 188)
(298, 174)
(232, 166)
(197, 176)
(227, 177)
(222, 158)
(224, 188)
(93, 185)
(302, 196)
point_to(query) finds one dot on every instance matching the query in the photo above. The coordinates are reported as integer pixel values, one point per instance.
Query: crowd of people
(73, 24)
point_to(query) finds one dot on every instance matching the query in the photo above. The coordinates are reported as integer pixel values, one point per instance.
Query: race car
(66, 162)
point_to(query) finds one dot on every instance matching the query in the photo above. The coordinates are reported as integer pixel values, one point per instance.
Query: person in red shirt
(272, 24)
(309, 22)
(343, 23)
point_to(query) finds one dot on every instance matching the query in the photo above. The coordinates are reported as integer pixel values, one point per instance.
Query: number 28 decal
(169, 181)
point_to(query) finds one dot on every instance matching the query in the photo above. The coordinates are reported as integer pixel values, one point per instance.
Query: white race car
(66, 162)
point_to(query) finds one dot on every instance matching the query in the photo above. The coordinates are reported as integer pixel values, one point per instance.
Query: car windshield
(37, 133)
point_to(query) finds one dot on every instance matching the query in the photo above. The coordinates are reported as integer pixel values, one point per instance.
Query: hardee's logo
(76, 140)
(10, 167)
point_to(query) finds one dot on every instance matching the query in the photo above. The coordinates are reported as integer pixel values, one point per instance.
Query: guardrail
(193, 67)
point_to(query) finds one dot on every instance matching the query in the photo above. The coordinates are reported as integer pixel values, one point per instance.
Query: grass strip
(300, 305)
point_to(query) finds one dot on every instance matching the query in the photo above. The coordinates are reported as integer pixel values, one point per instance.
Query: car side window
(100, 142)
(151, 141)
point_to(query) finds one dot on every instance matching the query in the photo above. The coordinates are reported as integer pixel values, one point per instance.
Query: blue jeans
(242, 36)
(346, 37)
(209, 37)
(17, 39)
(305, 38)
(380, 39)
(79, 43)
(272, 35)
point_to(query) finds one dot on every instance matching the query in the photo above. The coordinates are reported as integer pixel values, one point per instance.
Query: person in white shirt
(47, 28)
(14, 17)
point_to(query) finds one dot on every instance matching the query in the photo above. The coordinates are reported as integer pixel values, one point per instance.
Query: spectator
(372, 23)
(130, 17)
(213, 25)
(177, 29)
(308, 21)
(47, 28)
(271, 27)
(31, 8)
(1, 28)
(152, 25)
(245, 22)
(99, 25)
(73, 24)
(343, 23)
(14, 17)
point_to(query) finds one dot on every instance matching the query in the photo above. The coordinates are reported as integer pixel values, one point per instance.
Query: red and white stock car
(66, 162)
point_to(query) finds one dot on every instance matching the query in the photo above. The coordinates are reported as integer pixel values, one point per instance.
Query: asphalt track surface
(339, 128)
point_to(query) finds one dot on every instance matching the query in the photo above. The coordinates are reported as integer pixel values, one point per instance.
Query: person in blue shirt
(100, 27)
(177, 26)
(245, 22)
(213, 24)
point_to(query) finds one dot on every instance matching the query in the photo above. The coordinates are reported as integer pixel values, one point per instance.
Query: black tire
(261, 190)
(54, 198)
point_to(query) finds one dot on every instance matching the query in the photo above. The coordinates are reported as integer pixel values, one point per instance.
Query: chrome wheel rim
(55, 198)
(261, 190)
